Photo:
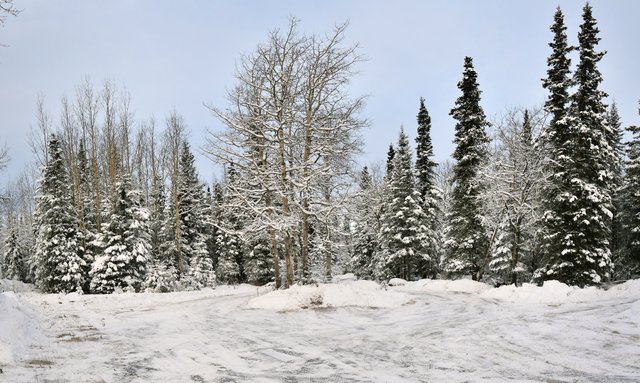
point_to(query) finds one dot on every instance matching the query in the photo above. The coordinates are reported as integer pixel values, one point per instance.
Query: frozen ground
(426, 331)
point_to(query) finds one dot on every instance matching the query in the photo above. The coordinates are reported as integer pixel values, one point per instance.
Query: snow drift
(354, 294)
(18, 327)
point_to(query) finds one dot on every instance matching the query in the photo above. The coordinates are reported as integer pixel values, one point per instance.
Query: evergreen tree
(390, 155)
(229, 246)
(403, 229)
(123, 264)
(425, 184)
(365, 230)
(579, 219)
(466, 242)
(617, 230)
(258, 265)
(14, 264)
(556, 140)
(629, 264)
(201, 273)
(58, 251)
(190, 193)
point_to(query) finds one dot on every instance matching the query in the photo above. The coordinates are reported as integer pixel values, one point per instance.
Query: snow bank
(15, 286)
(552, 292)
(443, 285)
(354, 294)
(556, 292)
(18, 327)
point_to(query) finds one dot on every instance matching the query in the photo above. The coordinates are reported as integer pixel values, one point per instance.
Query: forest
(116, 204)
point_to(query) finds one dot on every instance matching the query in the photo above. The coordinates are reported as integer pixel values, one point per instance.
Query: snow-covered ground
(425, 331)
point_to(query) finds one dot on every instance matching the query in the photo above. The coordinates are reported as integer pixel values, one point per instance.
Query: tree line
(542, 194)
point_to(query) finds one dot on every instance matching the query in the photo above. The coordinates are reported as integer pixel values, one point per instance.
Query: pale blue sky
(181, 54)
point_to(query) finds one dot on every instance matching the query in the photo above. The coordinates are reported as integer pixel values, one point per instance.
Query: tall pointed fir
(127, 244)
(58, 253)
(629, 265)
(14, 264)
(556, 141)
(365, 229)
(228, 241)
(403, 229)
(425, 184)
(466, 243)
(615, 136)
(579, 218)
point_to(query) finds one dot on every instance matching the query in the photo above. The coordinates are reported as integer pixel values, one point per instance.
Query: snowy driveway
(439, 337)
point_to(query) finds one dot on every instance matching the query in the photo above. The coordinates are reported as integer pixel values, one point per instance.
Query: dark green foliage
(58, 254)
(466, 241)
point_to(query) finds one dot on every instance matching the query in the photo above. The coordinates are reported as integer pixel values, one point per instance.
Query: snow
(424, 331)
(355, 294)
(18, 327)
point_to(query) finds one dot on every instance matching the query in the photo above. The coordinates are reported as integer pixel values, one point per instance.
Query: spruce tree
(579, 219)
(190, 197)
(14, 263)
(390, 155)
(201, 273)
(425, 184)
(258, 264)
(466, 242)
(556, 141)
(58, 251)
(615, 136)
(123, 264)
(629, 264)
(365, 231)
(403, 229)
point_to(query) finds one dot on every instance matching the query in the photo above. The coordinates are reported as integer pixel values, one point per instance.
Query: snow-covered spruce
(126, 243)
(58, 254)
(466, 242)
(404, 231)
(578, 219)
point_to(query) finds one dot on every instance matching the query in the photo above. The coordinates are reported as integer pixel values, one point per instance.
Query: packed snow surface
(434, 331)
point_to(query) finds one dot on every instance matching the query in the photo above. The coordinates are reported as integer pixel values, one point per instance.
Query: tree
(617, 168)
(123, 263)
(292, 135)
(579, 217)
(58, 251)
(629, 263)
(365, 229)
(403, 229)
(425, 184)
(7, 8)
(14, 263)
(466, 241)
(516, 178)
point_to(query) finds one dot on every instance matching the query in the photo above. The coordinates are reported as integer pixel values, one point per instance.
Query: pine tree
(229, 246)
(365, 230)
(615, 136)
(58, 251)
(579, 219)
(403, 229)
(201, 273)
(123, 264)
(425, 184)
(390, 155)
(190, 193)
(14, 264)
(629, 264)
(258, 265)
(466, 242)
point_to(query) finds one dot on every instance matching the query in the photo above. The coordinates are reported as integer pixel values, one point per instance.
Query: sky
(182, 55)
